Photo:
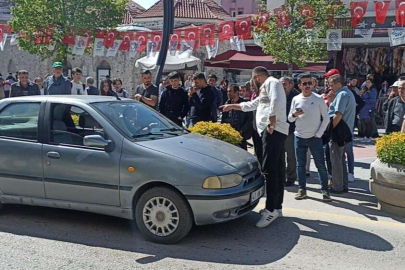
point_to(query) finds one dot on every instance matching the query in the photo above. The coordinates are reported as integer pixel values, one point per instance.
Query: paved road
(349, 233)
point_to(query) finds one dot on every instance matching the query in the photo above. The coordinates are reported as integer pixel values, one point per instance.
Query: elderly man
(24, 87)
(271, 119)
(396, 110)
(57, 84)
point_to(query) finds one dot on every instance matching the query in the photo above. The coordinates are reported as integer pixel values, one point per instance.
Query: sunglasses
(306, 83)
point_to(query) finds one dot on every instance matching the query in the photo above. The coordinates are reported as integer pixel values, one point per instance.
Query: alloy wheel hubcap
(160, 216)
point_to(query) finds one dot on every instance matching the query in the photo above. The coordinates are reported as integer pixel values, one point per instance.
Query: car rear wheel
(163, 216)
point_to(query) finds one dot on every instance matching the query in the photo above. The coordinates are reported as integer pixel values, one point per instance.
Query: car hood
(216, 156)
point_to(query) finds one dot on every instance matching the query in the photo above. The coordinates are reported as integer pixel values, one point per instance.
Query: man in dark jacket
(174, 100)
(212, 81)
(241, 121)
(201, 99)
(395, 111)
(57, 84)
(24, 87)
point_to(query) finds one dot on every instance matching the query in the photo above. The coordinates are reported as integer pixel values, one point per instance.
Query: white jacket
(272, 101)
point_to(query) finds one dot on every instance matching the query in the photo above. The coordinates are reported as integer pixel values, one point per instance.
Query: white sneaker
(267, 218)
(351, 178)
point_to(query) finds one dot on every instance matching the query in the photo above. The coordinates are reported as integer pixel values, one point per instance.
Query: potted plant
(388, 173)
(223, 132)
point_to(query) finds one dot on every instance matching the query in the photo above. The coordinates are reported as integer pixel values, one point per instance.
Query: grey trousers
(340, 181)
(291, 171)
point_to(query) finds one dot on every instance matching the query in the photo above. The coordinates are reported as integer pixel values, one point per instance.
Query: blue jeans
(316, 147)
(350, 157)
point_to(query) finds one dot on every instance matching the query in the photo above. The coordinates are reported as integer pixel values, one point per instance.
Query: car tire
(151, 214)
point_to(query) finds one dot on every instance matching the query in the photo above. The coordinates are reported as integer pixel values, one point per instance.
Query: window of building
(240, 11)
(233, 12)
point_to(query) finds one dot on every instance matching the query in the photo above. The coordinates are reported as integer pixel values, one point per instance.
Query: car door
(73, 172)
(21, 170)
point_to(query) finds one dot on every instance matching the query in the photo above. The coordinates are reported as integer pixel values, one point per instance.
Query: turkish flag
(381, 10)
(157, 37)
(400, 12)
(142, 38)
(282, 17)
(48, 35)
(100, 34)
(176, 37)
(70, 37)
(262, 19)
(110, 37)
(10, 30)
(2, 30)
(243, 28)
(89, 35)
(126, 41)
(39, 37)
(226, 30)
(192, 34)
(207, 34)
(357, 11)
(308, 15)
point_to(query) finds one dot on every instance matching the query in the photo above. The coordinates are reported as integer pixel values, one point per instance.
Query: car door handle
(54, 155)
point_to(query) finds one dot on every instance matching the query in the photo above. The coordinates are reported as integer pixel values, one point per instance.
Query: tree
(40, 23)
(292, 33)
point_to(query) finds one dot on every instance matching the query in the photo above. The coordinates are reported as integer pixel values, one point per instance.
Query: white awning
(173, 62)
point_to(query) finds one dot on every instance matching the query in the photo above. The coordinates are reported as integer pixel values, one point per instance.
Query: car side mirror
(98, 142)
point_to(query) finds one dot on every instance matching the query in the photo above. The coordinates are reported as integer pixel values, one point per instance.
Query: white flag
(256, 39)
(187, 46)
(98, 47)
(3, 42)
(80, 45)
(151, 48)
(13, 40)
(397, 36)
(133, 49)
(173, 45)
(212, 51)
(312, 36)
(237, 44)
(51, 46)
(365, 33)
(111, 52)
(334, 39)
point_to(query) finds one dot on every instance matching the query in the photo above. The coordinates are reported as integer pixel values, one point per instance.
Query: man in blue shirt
(57, 84)
(342, 108)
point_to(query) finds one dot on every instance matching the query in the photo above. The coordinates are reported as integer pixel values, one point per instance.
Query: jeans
(350, 157)
(274, 168)
(340, 180)
(291, 160)
(301, 149)
(327, 157)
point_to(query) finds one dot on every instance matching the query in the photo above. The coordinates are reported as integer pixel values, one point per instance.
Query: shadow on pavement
(362, 165)
(237, 242)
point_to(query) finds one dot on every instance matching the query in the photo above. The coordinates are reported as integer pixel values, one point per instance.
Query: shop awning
(254, 57)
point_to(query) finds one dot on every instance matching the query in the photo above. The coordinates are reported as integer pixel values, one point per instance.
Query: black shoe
(335, 191)
(308, 174)
(345, 190)
(326, 196)
(289, 184)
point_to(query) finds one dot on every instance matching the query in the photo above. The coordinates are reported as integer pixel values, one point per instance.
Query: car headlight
(219, 182)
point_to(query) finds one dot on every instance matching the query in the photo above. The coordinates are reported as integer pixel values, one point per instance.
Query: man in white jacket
(271, 120)
(310, 114)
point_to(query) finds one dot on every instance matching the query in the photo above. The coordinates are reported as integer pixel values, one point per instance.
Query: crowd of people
(287, 125)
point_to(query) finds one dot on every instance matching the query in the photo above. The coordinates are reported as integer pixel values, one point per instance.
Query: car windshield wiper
(172, 129)
(147, 135)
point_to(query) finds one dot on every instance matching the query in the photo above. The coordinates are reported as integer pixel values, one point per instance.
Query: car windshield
(137, 121)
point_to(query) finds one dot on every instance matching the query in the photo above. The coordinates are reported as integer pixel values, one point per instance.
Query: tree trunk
(290, 69)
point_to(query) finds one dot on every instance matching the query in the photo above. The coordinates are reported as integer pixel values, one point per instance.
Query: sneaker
(267, 218)
(289, 184)
(351, 178)
(302, 194)
(280, 212)
(326, 196)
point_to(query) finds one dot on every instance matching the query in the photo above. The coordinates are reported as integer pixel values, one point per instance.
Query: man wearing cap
(394, 107)
(57, 84)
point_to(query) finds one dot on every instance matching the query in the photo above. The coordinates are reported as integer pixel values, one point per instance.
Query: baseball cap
(396, 84)
(57, 64)
(331, 72)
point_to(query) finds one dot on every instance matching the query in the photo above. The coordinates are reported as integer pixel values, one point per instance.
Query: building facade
(237, 8)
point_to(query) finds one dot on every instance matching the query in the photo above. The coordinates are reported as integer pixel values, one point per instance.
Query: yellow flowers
(223, 132)
(391, 148)
(75, 119)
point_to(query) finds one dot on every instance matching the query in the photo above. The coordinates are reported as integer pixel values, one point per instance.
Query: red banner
(100, 34)
(157, 37)
(262, 19)
(176, 37)
(282, 18)
(110, 37)
(142, 38)
(226, 30)
(207, 34)
(243, 28)
(89, 34)
(192, 34)
(307, 13)
(400, 12)
(357, 12)
(2, 30)
(126, 41)
(70, 38)
(381, 10)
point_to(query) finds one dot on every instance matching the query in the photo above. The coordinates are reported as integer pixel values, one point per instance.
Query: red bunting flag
(89, 35)
(262, 19)
(207, 34)
(70, 37)
(110, 37)
(2, 29)
(39, 37)
(400, 12)
(142, 39)
(307, 13)
(157, 37)
(243, 28)
(126, 41)
(48, 35)
(357, 12)
(282, 17)
(191, 35)
(381, 10)
(226, 30)
(176, 37)
(10, 30)
(100, 34)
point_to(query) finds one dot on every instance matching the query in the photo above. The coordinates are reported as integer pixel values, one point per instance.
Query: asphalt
(348, 233)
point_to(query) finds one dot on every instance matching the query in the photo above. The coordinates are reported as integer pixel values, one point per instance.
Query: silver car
(121, 158)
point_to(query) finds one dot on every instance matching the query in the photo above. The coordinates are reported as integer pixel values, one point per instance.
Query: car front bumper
(222, 208)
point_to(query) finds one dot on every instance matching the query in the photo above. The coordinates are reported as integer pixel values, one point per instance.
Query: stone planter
(388, 185)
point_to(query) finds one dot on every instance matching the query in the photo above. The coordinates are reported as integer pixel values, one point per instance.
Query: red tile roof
(133, 9)
(194, 9)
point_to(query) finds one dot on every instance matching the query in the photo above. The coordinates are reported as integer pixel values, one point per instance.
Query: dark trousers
(258, 146)
(243, 145)
(274, 168)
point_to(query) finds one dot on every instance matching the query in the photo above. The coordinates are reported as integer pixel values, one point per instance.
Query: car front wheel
(163, 216)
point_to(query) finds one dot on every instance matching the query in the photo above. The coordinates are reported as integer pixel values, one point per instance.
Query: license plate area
(254, 196)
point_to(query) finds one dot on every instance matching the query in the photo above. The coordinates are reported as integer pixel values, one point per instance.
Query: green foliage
(391, 148)
(223, 132)
(63, 15)
(289, 43)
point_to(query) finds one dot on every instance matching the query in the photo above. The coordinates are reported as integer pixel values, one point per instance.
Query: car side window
(70, 124)
(20, 121)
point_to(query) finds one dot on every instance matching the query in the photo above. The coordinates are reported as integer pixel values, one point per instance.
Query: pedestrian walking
(189, 83)
(310, 115)
(271, 120)
(2, 83)
(24, 87)
(239, 120)
(147, 92)
(40, 82)
(212, 81)
(174, 101)
(106, 88)
(396, 110)
(78, 88)
(369, 95)
(90, 88)
(57, 84)
(121, 92)
(201, 100)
